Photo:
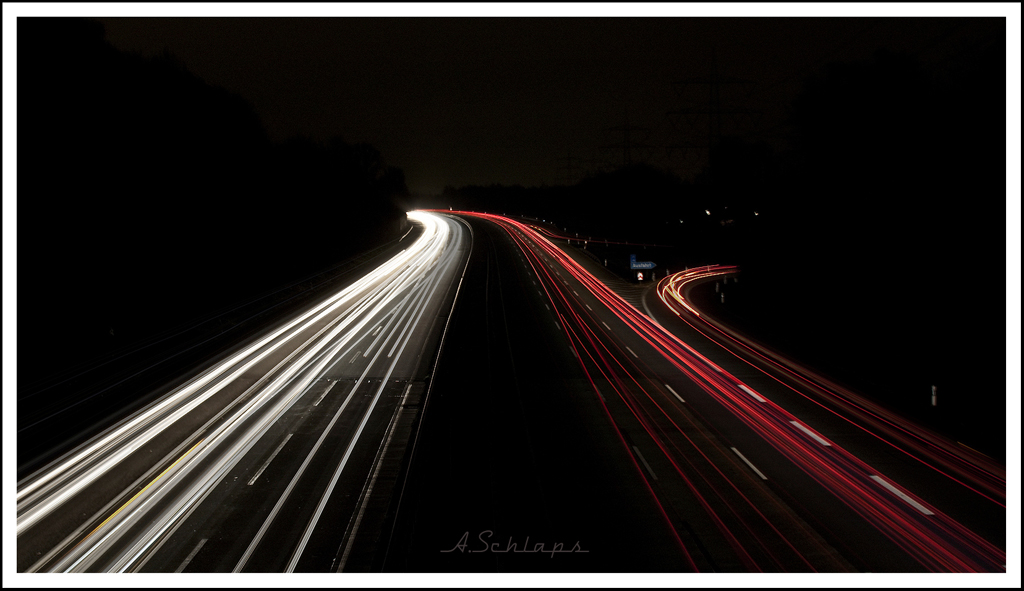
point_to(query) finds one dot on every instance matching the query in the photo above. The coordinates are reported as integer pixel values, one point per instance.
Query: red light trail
(760, 542)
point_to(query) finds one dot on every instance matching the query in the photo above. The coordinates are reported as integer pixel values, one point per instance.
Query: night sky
(456, 101)
(458, 96)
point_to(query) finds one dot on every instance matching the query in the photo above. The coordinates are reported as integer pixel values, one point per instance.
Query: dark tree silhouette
(896, 187)
(148, 198)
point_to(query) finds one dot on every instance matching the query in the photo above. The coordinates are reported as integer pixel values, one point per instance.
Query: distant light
(707, 211)
(680, 221)
(755, 213)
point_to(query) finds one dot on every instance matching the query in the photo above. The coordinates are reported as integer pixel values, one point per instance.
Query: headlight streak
(83, 468)
(398, 283)
(210, 480)
(935, 540)
(74, 464)
(966, 467)
(420, 306)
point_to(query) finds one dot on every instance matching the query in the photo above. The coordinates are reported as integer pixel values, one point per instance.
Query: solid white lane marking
(747, 462)
(270, 459)
(631, 351)
(190, 556)
(811, 433)
(646, 465)
(902, 495)
(674, 393)
(751, 392)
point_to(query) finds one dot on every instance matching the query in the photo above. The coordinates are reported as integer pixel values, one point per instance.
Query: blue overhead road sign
(641, 265)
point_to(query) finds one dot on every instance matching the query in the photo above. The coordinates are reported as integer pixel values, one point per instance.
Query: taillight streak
(936, 541)
(622, 380)
(981, 472)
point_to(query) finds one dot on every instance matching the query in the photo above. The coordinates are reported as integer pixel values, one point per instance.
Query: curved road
(251, 464)
(683, 464)
(560, 430)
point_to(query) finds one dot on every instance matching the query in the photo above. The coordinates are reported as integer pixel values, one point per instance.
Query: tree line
(876, 237)
(148, 197)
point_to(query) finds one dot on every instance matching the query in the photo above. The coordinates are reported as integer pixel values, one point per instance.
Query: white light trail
(376, 301)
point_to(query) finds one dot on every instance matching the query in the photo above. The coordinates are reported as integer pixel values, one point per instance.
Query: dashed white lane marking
(810, 433)
(751, 392)
(902, 495)
(190, 556)
(324, 394)
(270, 459)
(675, 394)
(747, 462)
(646, 465)
(606, 325)
(631, 351)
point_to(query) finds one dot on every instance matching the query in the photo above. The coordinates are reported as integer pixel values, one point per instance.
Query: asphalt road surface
(252, 464)
(491, 401)
(562, 415)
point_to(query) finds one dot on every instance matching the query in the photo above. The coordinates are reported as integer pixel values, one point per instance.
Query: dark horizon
(468, 101)
(183, 183)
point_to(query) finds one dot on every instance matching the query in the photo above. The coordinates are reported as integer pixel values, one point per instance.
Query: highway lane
(514, 449)
(878, 524)
(729, 520)
(306, 411)
(950, 475)
(972, 496)
(65, 407)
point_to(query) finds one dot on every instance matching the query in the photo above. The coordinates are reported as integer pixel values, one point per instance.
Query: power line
(714, 109)
(630, 145)
(569, 167)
